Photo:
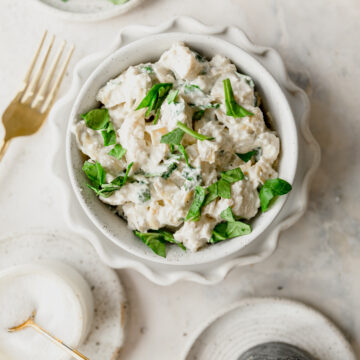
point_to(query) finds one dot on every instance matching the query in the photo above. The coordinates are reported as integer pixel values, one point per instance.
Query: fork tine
(33, 62)
(39, 97)
(29, 92)
(55, 88)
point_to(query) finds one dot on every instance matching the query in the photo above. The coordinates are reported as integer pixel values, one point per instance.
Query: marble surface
(317, 260)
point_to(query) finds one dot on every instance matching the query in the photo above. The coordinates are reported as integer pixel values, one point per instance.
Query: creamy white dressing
(154, 201)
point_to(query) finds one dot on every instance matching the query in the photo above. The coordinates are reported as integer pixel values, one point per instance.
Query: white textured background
(318, 260)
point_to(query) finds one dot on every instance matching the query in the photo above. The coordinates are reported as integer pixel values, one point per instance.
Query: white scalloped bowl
(149, 49)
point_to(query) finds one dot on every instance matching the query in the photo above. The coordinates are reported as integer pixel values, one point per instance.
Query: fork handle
(3, 148)
(74, 353)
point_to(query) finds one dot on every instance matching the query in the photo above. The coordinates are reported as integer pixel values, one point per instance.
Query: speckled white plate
(259, 249)
(106, 336)
(255, 321)
(87, 10)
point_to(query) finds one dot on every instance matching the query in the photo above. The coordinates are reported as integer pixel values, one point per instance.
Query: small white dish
(63, 303)
(206, 273)
(86, 10)
(107, 330)
(150, 49)
(256, 321)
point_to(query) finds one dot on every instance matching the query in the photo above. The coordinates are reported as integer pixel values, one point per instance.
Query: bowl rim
(194, 258)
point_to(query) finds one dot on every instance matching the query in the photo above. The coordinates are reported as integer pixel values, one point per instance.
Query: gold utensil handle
(74, 353)
(3, 148)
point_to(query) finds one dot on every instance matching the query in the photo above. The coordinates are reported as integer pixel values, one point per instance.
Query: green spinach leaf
(228, 215)
(173, 137)
(109, 135)
(97, 119)
(184, 153)
(247, 156)
(192, 132)
(195, 208)
(95, 172)
(156, 240)
(271, 189)
(154, 99)
(232, 175)
(212, 193)
(224, 189)
(232, 107)
(117, 151)
(229, 230)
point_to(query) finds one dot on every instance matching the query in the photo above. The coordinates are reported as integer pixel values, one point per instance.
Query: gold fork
(30, 322)
(30, 107)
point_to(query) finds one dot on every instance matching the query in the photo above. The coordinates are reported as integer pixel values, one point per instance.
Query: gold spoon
(30, 322)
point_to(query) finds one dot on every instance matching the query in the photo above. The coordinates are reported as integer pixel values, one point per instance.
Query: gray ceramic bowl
(149, 49)
(275, 351)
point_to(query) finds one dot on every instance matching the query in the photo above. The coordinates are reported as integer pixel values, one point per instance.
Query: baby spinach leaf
(237, 228)
(95, 172)
(224, 189)
(107, 189)
(184, 153)
(154, 241)
(169, 237)
(247, 156)
(212, 193)
(219, 233)
(232, 175)
(154, 99)
(97, 119)
(229, 230)
(117, 151)
(157, 239)
(192, 132)
(195, 208)
(173, 137)
(271, 189)
(116, 184)
(123, 181)
(228, 215)
(109, 135)
(232, 107)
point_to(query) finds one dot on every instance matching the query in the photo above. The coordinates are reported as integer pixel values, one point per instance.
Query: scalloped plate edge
(75, 215)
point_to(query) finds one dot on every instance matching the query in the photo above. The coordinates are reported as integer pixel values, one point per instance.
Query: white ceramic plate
(106, 335)
(264, 245)
(261, 320)
(87, 10)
